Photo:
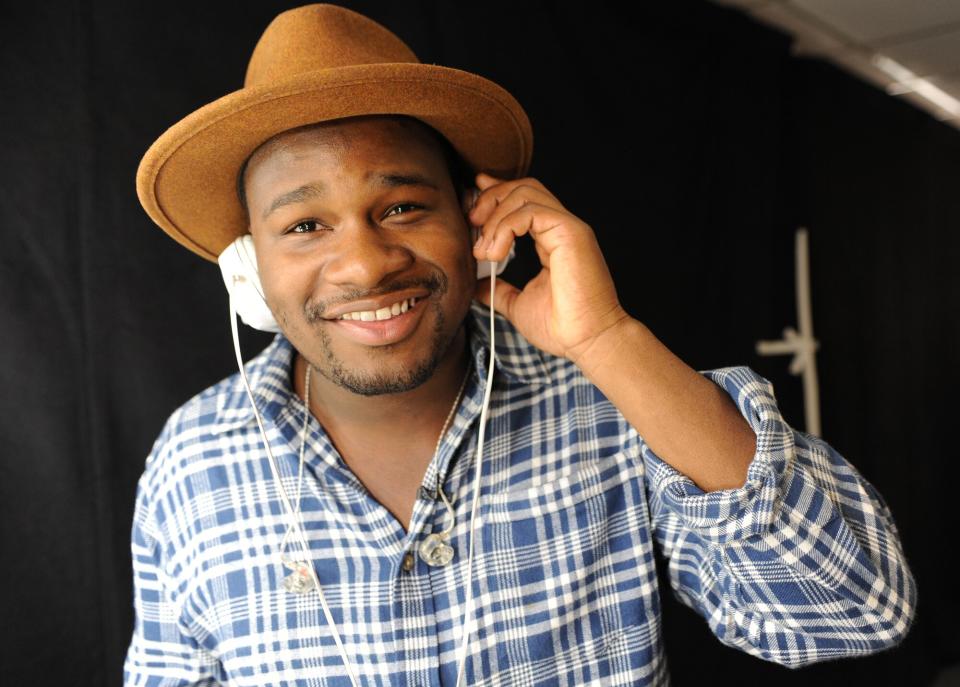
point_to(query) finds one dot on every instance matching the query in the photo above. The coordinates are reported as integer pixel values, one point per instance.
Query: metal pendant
(435, 551)
(300, 580)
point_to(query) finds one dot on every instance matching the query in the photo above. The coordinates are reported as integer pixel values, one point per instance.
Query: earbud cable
(286, 502)
(476, 481)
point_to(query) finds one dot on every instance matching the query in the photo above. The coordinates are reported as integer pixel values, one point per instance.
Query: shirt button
(408, 562)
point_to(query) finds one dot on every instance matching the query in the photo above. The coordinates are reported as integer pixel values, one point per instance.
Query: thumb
(483, 180)
(504, 296)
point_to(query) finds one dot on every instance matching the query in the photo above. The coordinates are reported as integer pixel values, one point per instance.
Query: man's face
(358, 244)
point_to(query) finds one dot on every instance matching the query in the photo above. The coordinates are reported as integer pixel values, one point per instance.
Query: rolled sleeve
(730, 514)
(803, 562)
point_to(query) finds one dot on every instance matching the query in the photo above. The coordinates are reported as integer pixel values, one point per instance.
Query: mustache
(436, 282)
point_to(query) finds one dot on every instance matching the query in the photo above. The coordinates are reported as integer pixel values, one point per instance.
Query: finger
(491, 197)
(492, 194)
(484, 180)
(540, 221)
(517, 198)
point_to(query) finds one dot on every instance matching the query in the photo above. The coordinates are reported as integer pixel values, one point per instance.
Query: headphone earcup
(483, 266)
(238, 265)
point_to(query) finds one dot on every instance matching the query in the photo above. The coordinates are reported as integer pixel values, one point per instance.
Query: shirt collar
(269, 373)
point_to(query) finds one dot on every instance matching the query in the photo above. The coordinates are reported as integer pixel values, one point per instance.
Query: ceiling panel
(874, 20)
(882, 42)
(949, 83)
(928, 57)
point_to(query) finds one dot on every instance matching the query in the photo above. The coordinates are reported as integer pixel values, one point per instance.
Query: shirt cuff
(731, 514)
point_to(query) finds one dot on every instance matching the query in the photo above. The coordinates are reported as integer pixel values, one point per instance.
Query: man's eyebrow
(298, 195)
(316, 189)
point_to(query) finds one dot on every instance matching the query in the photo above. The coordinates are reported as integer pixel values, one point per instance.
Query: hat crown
(321, 36)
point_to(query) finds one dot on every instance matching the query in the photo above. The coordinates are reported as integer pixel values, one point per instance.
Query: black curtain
(685, 134)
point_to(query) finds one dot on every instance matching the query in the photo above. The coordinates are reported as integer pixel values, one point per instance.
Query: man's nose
(364, 256)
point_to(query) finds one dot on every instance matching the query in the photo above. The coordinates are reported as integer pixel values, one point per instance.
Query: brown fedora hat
(315, 63)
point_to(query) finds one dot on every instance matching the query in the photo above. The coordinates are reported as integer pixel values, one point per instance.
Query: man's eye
(403, 205)
(306, 223)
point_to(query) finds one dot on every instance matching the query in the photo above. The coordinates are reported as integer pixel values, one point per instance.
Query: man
(600, 444)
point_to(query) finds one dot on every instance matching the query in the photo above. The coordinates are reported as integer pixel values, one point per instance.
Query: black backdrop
(685, 135)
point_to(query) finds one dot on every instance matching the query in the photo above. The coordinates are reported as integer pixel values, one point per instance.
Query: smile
(384, 326)
(381, 314)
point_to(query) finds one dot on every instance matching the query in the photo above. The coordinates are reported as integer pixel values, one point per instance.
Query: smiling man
(436, 543)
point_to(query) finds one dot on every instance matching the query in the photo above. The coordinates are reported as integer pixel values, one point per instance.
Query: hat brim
(186, 181)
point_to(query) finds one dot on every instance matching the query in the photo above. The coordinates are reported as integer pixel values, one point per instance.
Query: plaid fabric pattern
(801, 564)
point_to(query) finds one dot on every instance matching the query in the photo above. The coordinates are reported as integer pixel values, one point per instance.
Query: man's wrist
(601, 349)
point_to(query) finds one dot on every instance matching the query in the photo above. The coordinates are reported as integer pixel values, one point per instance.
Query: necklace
(434, 549)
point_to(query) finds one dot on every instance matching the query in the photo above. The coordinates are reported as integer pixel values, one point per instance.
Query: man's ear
(468, 197)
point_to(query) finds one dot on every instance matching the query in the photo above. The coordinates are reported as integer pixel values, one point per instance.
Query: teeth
(383, 313)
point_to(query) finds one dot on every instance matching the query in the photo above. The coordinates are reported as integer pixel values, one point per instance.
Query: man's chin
(379, 384)
(376, 377)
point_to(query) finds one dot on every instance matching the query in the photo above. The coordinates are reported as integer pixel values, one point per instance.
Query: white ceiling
(909, 48)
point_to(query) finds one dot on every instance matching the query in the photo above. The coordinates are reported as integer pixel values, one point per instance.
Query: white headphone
(238, 264)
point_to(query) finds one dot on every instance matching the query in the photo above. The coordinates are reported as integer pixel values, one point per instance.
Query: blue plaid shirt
(801, 564)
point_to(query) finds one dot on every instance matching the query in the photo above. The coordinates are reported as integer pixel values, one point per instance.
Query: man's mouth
(384, 313)
(382, 326)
